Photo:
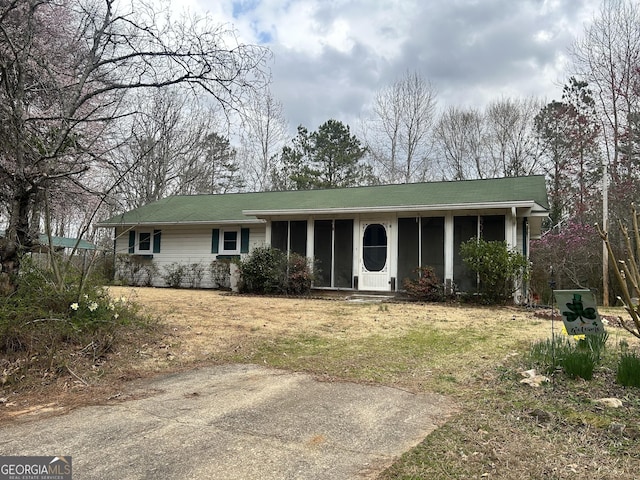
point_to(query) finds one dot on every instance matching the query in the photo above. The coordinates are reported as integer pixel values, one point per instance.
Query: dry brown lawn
(472, 353)
(209, 325)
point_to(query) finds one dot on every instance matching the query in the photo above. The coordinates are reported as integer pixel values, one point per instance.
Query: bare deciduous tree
(64, 69)
(511, 138)
(264, 132)
(461, 144)
(398, 134)
(158, 147)
(607, 57)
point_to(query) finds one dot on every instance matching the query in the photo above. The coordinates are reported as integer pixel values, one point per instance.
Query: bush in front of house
(299, 275)
(497, 267)
(174, 274)
(135, 271)
(195, 274)
(270, 271)
(264, 271)
(220, 273)
(427, 287)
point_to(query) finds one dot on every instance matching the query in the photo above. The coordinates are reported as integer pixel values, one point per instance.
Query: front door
(374, 260)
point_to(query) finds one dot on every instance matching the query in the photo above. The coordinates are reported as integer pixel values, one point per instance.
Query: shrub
(427, 287)
(627, 271)
(195, 274)
(174, 274)
(135, 270)
(264, 271)
(45, 326)
(497, 268)
(220, 272)
(628, 373)
(299, 275)
(268, 270)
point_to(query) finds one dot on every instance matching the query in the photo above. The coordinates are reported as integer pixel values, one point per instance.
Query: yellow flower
(75, 306)
(579, 337)
(93, 306)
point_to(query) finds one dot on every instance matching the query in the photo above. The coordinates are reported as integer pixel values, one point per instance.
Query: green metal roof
(65, 242)
(247, 207)
(61, 242)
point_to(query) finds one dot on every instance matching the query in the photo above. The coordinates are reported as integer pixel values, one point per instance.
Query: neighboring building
(59, 244)
(362, 238)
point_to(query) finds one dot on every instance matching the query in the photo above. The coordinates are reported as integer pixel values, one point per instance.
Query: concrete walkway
(235, 422)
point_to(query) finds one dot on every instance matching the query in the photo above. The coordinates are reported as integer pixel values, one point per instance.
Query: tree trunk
(17, 240)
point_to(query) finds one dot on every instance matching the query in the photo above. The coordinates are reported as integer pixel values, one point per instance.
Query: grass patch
(423, 357)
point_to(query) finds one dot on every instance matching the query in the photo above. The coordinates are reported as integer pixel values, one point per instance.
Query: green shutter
(156, 241)
(132, 241)
(244, 240)
(215, 240)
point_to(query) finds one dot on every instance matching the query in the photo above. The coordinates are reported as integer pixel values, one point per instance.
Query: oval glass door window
(374, 248)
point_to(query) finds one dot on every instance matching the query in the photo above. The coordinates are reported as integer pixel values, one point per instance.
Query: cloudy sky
(331, 56)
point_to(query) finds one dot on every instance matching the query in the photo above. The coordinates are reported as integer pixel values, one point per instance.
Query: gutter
(399, 208)
(200, 222)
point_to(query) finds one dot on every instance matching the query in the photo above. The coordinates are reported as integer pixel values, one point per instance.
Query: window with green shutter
(244, 240)
(215, 240)
(132, 241)
(156, 241)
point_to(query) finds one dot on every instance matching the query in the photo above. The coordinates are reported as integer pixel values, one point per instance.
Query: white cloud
(330, 56)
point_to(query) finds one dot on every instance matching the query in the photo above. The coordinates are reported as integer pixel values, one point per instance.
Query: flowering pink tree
(66, 68)
(571, 254)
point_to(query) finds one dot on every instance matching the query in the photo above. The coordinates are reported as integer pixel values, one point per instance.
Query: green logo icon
(577, 310)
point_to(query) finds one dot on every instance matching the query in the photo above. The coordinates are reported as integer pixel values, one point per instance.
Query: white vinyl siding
(186, 245)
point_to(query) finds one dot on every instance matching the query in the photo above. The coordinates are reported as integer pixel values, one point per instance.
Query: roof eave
(396, 208)
(244, 221)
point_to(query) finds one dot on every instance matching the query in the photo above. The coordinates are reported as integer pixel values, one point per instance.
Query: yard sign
(579, 311)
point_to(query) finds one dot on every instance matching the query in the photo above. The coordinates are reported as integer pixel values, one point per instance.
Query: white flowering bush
(97, 307)
(53, 325)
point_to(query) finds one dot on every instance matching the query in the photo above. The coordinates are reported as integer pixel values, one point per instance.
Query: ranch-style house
(361, 238)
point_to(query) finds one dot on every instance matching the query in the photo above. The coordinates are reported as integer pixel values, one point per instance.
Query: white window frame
(236, 251)
(138, 249)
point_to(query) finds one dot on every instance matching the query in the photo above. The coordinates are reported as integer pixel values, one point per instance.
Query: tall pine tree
(327, 158)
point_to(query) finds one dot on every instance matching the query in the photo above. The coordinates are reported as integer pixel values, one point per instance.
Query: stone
(533, 379)
(610, 402)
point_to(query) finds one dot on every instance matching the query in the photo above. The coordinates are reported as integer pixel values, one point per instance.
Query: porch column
(310, 242)
(511, 228)
(267, 233)
(448, 246)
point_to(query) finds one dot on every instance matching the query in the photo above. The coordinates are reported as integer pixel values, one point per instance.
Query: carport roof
(529, 192)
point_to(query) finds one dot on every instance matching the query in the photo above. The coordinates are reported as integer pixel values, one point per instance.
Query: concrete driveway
(235, 422)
